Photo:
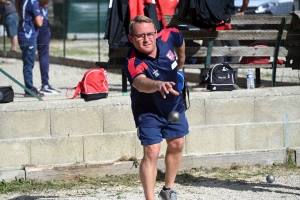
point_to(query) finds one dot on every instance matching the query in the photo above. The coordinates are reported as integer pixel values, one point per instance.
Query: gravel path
(248, 184)
(63, 78)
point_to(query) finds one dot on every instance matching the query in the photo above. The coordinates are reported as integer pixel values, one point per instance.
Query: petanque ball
(174, 116)
(270, 178)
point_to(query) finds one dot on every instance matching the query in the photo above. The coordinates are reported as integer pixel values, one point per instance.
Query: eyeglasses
(150, 35)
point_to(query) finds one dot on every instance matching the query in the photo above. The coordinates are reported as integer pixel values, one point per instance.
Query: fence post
(2, 21)
(124, 83)
(276, 50)
(208, 54)
(22, 86)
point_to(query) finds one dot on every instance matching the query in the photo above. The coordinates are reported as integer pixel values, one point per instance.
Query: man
(43, 42)
(151, 68)
(11, 22)
(231, 43)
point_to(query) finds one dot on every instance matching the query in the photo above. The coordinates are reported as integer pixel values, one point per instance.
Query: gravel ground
(62, 78)
(246, 183)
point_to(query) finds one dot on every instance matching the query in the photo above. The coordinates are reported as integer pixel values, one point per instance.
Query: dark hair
(139, 19)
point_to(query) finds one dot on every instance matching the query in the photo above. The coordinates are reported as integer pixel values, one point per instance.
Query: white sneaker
(48, 90)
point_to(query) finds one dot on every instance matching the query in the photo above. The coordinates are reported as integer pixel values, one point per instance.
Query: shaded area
(28, 197)
(239, 185)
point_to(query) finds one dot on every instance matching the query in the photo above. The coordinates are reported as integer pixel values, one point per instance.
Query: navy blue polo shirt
(149, 105)
(27, 31)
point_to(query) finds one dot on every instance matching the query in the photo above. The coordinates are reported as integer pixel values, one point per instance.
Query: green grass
(233, 174)
(75, 48)
(21, 185)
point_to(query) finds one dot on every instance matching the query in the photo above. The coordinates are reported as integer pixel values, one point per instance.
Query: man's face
(144, 38)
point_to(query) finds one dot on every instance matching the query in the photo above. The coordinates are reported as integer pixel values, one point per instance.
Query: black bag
(221, 78)
(6, 94)
(211, 13)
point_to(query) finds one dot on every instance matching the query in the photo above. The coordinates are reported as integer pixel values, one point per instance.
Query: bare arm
(38, 21)
(243, 8)
(146, 85)
(18, 5)
(6, 2)
(180, 52)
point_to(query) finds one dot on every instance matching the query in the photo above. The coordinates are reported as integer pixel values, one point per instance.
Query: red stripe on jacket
(136, 70)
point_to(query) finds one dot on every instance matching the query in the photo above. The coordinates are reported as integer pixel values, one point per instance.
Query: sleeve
(178, 37)
(36, 11)
(133, 68)
(171, 34)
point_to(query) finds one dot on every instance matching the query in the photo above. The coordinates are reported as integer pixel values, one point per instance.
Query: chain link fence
(77, 33)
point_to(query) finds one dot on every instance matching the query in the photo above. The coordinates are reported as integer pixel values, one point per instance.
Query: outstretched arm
(146, 85)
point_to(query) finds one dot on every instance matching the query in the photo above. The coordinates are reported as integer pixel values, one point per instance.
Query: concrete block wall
(59, 132)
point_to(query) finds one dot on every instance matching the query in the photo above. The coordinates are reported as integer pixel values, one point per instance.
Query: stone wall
(69, 132)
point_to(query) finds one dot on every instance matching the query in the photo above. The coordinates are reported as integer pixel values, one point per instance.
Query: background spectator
(10, 22)
(30, 19)
(43, 42)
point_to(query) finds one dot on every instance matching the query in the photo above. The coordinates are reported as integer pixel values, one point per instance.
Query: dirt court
(196, 184)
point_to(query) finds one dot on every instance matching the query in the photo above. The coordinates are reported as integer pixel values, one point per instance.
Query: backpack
(93, 85)
(211, 13)
(220, 78)
(6, 94)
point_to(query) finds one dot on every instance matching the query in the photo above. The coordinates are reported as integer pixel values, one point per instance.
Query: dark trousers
(28, 57)
(43, 42)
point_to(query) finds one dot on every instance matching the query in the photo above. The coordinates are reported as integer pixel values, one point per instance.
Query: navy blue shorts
(166, 129)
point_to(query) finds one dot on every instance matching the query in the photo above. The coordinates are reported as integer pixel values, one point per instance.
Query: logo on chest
(170, 55)
(155, 73)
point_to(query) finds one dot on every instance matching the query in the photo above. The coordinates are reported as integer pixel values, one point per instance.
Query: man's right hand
(144, 84)
(165, 88)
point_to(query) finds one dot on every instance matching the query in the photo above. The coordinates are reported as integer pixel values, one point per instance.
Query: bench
(278, 31)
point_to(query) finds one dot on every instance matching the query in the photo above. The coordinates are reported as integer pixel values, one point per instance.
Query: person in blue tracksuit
(151, 68)
(43, 42)
(30, 19)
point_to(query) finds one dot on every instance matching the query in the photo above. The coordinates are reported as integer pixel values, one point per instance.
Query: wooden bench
(281, 32)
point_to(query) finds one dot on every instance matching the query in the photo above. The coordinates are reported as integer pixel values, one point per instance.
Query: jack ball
(174, 116)
(270, 178)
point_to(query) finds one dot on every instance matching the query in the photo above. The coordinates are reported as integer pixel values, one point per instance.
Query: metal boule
(270, 178)
(174, 116)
